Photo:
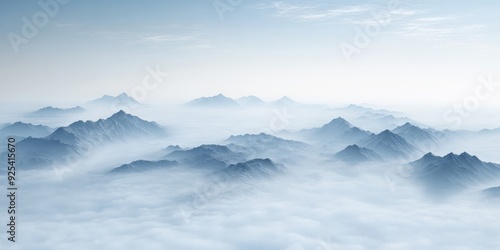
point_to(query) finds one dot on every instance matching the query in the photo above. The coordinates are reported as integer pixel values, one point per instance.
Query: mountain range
(221, 101)
(81, 137)
(454, 171)
(118, 127)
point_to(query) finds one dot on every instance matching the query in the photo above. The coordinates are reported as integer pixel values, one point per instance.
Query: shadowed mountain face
(118, 127)
(454, 171)
(81, 137)
(355, 154)
(422, 138)
(207, 156)
(21, 129)
(338, 130)
(253, 169)
(141, 166)
(390, 146)
(37, 152)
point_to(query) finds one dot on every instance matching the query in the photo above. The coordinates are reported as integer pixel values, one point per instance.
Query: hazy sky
(412, 52)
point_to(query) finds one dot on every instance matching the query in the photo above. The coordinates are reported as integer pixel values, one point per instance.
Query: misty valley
(222, 173)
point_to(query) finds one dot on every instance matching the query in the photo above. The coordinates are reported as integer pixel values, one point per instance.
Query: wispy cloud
(435, 27)
(156, 35)
(310, 12)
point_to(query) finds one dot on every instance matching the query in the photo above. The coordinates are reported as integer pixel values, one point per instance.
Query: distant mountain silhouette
(250, 101)
(56, 112)
(21, 129)
(122, 100)
(218, 101)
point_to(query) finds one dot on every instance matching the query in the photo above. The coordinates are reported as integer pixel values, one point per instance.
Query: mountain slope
(355, 154)
(416, 135)
(253, 169)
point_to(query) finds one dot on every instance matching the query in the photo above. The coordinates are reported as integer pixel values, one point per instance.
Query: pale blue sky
(425, 50)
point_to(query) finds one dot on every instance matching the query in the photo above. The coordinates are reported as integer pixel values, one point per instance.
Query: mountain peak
(285, 100)
(466, 154)
(120, 113)
(356, 154)
(354, 146)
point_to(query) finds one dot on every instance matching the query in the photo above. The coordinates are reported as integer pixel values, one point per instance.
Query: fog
(317, 204)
